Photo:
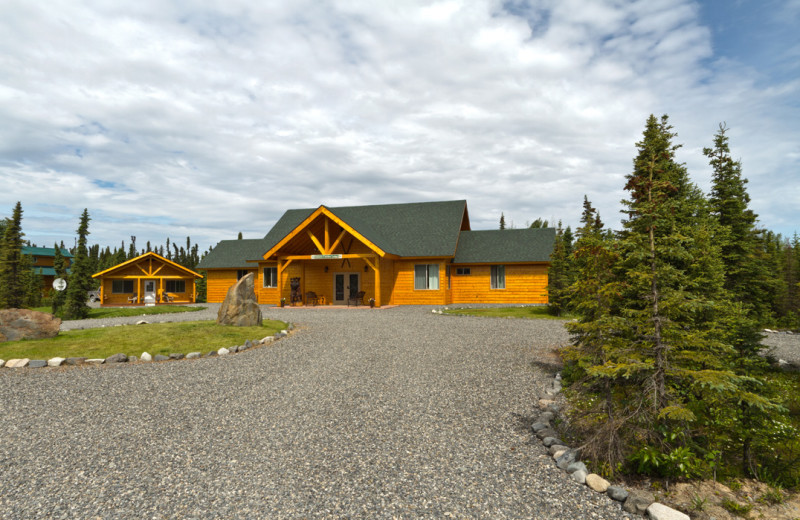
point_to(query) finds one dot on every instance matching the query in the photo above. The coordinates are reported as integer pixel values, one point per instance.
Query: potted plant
(283, 302)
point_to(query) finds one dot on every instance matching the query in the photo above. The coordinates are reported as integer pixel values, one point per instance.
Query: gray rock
(567, 458)
(638, 501)
(549, 441)
(553, 407)
(146, 356)
(75, 361)
(240, 307)
(177, 356)
(555, 448)
(132, 359)
(658, 511)
(248, 344)
(117, 358)
(193, 355)
(617, 493)
(575, 466)
(547, 432)
(233, 350)
(16, 324)
(579, 476)
(539, 426)
(290, 327)
(211, 354)
(37, 363)
(160, 357)
(547, 417)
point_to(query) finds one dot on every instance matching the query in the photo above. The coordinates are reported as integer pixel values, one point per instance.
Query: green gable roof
(44, 251)
(505, 246)
(234, 254)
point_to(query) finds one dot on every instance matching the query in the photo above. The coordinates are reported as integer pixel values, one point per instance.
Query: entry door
(345, 285)
(150, 292)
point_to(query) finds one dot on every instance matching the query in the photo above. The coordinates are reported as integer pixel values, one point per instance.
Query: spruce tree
(80, 280)
(60, 267)
(502, 221)
(559, 275)
(11, 282)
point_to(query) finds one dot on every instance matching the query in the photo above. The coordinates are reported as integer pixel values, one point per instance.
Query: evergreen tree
(80, 281)
(60, 267)
(502, 221)
(559, 275)
(240, 236)
(11, 271)
(539, 223)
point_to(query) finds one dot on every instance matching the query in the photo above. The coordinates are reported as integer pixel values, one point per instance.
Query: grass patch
(132, 340)
(530, 313)
(122, 312)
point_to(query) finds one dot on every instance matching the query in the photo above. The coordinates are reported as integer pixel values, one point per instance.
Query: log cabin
(393, 254)
(148, 279)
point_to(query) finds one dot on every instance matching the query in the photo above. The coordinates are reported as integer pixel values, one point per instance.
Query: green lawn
(132, 340)
(121, 312)
(533, 313)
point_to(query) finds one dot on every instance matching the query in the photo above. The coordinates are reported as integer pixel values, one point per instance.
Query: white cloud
(207, 118)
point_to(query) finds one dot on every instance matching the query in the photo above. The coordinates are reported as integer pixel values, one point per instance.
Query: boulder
(17, 363)
(638, 501)
(37, 363)
(18, 324)
(117, 358)
(597, 483)
(658, 511)
(240, 307)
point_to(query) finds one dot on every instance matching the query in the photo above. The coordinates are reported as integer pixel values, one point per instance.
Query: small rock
(617, 493)
(575, 466)
(17, 363)
(75, 361)
(160, 357)
(285, 332)
(558, 454)
(146, 357)
(233, 350)
(37, 363)
(141, 322)
(638, 501)
(579, 476)
(555, 448)
(597, 483)
(248, 343)
(177, 356)
(546, 417)
(549, 441)
(117, 358)
(539, 426)
(544, 403)
(193, 355)
(266, 339)
(55, 362)
(223, 351)
(552, 407)
(290, 327)
(95, 361)
(567, 458)
(132, 359)
(658, 511)
(547, 432)
(211, 354)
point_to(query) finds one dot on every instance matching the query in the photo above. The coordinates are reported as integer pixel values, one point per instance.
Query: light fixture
(326, 268)
(366, 268)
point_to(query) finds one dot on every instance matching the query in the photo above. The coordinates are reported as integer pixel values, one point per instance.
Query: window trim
(273, 277)
(463, 271)
(428, 277)
(497, 277)
(174, 290)
(123, 282)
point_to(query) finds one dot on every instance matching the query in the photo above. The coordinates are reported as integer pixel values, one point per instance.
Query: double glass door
(345, 286)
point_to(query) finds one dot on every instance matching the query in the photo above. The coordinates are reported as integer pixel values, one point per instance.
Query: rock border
(145, 357)
(568, 460)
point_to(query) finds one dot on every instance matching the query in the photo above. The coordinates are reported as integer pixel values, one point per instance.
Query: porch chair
(356, 299)
(311, 298)
(166, 298)
(133, 299)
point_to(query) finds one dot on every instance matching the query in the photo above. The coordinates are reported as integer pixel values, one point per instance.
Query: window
(175, 286)
(447, 274)
(426, 276)
(241, 273)
(498, 277)
(462, 270)
(122, 286)
(270, 277)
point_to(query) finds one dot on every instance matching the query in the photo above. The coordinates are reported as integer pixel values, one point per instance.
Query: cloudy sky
(175, 118)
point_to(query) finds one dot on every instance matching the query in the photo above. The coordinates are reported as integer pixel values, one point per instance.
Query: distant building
(42, 263)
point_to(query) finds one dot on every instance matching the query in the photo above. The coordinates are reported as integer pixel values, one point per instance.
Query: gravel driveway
(392, 413)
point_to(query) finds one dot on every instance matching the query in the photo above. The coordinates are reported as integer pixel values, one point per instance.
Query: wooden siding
(525, 283)
(218, 281)
(404, 292)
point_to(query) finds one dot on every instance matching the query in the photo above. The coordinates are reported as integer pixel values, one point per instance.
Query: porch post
(377, 268)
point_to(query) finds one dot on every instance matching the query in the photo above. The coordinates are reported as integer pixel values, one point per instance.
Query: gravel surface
(210, 313)
(391, 413)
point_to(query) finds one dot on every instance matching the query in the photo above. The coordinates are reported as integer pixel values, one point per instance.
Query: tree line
(665, 373)
(21, 285)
